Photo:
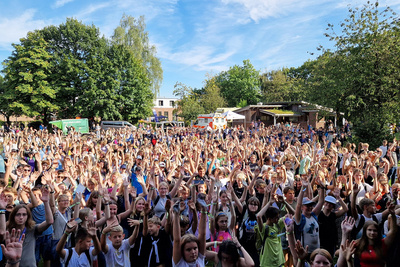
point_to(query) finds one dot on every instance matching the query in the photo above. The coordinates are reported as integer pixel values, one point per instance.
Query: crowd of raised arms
(262, 196)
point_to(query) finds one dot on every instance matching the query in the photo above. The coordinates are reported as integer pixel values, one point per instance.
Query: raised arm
(297, 214)
(134, 235)
(48, 214)
(318, 207)
(103, 239)
(354, 212)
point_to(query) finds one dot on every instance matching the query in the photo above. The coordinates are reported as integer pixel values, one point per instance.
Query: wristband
(106, 204)
(68, 234)
(215, 244)
(2, 211)
(289, 233)
(13, 262)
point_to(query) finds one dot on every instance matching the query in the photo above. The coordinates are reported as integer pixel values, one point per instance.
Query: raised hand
(3, 202)
(45, 194)
(13, 249)
(133, 222)
(191, 205)
(289, 223)
(147, 208)
(301, 252)
(347, 225)
(91, 228)
(168, 204)
(348, 249)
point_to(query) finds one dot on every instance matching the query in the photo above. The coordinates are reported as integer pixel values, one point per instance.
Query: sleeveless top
(220, 236)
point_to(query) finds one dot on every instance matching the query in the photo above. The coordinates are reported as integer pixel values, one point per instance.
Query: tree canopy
(240, 83)
(131, 33)
(70, 69)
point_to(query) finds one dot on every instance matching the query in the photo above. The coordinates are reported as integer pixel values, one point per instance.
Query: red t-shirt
(369, 258)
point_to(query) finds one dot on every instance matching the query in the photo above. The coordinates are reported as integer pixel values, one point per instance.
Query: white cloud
(12, 29)
(61, 3)
(89, 10)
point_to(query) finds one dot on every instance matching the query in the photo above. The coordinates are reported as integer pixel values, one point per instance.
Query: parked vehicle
(115, 124)
(79, 125)
(214, 121)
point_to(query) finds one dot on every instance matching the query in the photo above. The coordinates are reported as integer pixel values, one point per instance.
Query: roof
(305, 106)
(280, 113)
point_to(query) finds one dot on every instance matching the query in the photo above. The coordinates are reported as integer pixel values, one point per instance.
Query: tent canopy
(230, 115)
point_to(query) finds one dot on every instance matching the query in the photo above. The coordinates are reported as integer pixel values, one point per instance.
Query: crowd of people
(262, 196)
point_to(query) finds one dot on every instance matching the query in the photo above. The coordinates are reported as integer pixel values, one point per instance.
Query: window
(161, 103)
(172, 103)
(166, 114)
(160, 113)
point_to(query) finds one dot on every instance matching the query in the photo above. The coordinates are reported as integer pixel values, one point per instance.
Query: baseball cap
(307, 201)
(139, 157)
(330, 199)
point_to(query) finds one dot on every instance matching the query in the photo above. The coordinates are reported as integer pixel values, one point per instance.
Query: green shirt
(272, 254)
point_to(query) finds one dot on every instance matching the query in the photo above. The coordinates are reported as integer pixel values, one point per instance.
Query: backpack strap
(70, 251)
(156, 200)
(88, 257)
(266, 234)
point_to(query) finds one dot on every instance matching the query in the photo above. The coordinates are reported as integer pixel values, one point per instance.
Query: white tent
(230, 115)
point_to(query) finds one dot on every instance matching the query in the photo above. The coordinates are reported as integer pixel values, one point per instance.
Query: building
(298, 112)
(165, 107)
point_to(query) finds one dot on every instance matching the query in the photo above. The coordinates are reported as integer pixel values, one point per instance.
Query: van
(105, 125)
(79, 125)
(213, 121)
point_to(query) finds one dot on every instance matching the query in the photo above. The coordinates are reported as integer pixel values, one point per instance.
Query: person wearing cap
(306, 219)
(327, 221)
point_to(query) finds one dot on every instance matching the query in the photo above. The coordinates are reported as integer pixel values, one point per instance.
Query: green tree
(240, 83)
(365, 75)
(189, 106)
(78, 73)
(132, 33)
(5, 109)
(79, 68)
(27, 74)
(278, 85)
(211, 99)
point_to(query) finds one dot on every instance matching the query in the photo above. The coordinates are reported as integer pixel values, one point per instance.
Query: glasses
(27, 170)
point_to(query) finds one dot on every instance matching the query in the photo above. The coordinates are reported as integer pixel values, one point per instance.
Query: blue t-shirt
(39, 216)
(136, 184)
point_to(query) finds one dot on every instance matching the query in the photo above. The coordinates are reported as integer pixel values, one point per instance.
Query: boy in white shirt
(118, 253)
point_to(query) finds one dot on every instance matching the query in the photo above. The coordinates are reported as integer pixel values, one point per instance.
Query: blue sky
(194, 38)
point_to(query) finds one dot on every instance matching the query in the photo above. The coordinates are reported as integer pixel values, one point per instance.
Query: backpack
(244, 234)
(260, 243)
(158, 199)
(70, 252)
(360, 226)
(298, 229)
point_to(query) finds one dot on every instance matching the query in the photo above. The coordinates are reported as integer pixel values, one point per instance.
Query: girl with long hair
(21, 219)
(371, 247)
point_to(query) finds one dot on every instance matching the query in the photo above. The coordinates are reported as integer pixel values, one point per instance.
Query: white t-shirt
(361, 194)
(119, 257)
(198, 263)
(78, 260)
